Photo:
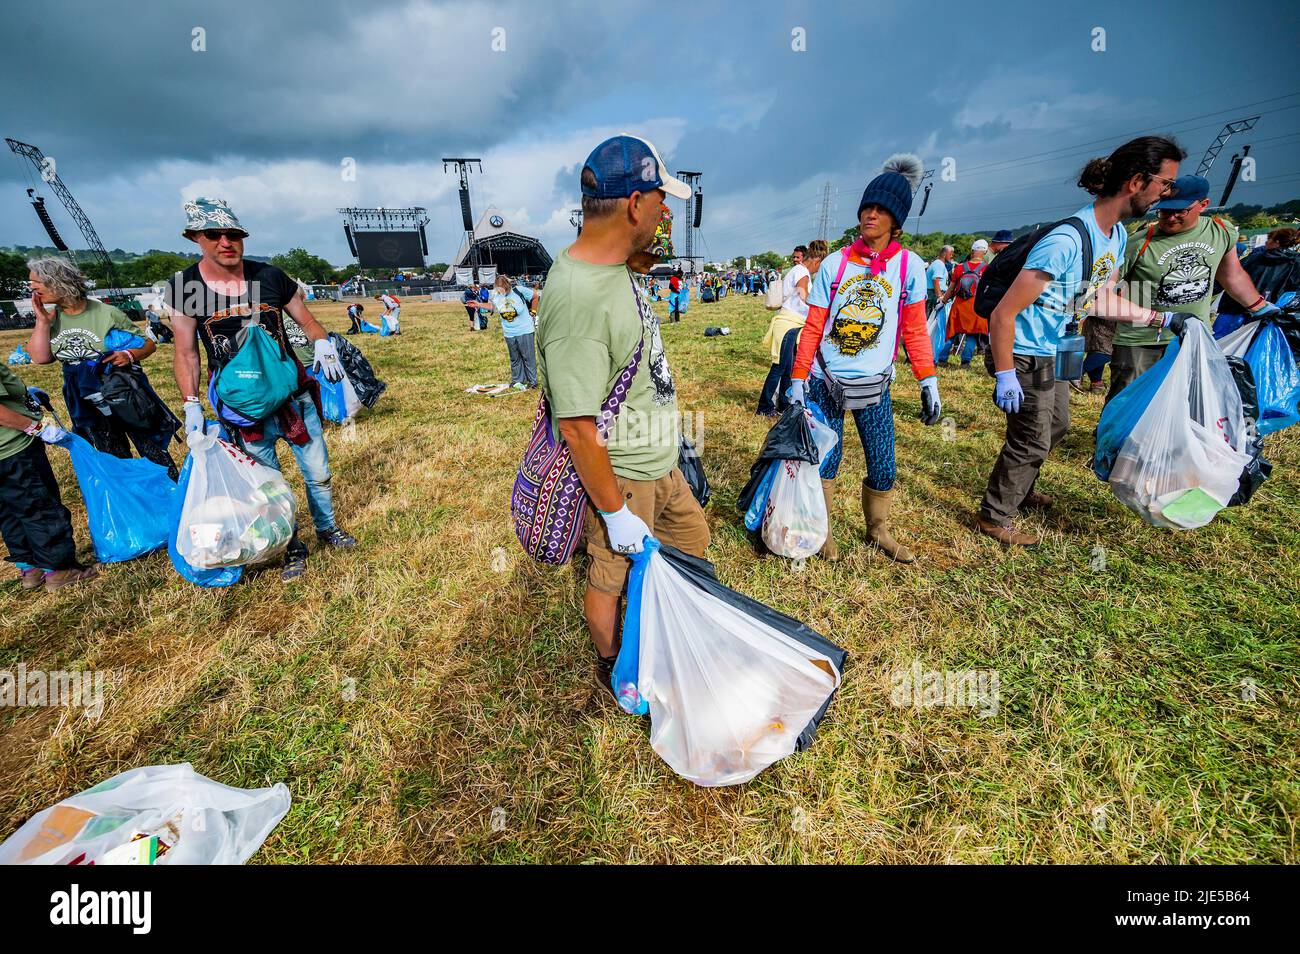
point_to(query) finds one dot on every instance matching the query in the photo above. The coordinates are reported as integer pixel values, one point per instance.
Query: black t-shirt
(220, 318)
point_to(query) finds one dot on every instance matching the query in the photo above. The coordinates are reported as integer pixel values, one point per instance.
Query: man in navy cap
(1000, 240)
(1173, 266)
(596, 333)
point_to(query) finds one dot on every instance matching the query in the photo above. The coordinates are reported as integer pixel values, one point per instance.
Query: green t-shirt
(1175, 273)
(590, 322)
(78, 337)
(13, 395)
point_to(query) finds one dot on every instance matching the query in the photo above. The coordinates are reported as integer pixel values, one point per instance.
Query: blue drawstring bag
(1277, 379)
(208, 579)
(127, 501)
(1123, 411)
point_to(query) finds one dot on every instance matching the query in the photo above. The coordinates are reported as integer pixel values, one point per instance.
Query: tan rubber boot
(875, 508)
(829, 551)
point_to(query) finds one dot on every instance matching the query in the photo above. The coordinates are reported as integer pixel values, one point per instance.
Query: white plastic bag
(1182, 462)
(236, 512)
(728, 694)
(159, 814)
(1237, 343)
(795, 523)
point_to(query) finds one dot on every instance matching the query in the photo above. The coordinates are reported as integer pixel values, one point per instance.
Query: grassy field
(428, 697)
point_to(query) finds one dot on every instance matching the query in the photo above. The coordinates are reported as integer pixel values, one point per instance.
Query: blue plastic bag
(367, 327)
(208, 579)
(939, 330)
(757, 506)
(628, 665)
(119, 340)
(1123, 411)
(1277, 380)
(127, 501)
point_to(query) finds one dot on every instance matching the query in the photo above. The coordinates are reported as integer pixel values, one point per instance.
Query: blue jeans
(313, 460)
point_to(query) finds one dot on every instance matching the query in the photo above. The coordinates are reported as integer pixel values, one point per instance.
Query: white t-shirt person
(790, 291)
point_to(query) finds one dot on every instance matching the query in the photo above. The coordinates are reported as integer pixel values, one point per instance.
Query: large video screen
(388, 249)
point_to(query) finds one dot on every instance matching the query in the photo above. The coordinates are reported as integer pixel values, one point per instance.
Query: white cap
(980, 246)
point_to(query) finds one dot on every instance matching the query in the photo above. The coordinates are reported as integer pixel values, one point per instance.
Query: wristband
(33, 429)
(1257, 303)
(192, 400)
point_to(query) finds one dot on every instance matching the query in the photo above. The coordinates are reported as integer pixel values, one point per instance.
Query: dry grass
(1121, 690)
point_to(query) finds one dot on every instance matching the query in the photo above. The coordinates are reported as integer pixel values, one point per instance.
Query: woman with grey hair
(93, 340)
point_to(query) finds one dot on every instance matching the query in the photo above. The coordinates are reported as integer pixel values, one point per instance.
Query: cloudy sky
(1015, 98)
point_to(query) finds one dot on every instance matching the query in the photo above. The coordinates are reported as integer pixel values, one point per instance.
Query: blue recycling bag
(19, 355)
(939, 333)
(627, 668)
(1123, 411)
(758, 505)
(1277, 379)
(127, 501)
(208, 579)
(119, 340)
(333, 399)
(367, 327)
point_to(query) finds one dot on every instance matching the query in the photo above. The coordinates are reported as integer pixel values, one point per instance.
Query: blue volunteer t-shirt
(937, 272)
(1060, 254)
(512, 309)
(860, 337)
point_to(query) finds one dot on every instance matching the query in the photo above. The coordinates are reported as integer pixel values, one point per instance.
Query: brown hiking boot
(60, 578)
(1037, 501)
(829, 551)
(875, 509)
(33, 577)
(1008, 535)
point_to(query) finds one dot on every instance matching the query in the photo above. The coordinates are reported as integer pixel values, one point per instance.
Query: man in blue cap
(597, 336)
(1000, 240)
(1173, 266)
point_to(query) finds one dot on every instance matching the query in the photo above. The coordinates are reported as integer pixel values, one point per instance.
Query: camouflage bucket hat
(209, 214)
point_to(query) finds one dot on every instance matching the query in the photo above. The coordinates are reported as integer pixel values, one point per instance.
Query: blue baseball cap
(1003, 235)
(625, 164)
(1187, 189)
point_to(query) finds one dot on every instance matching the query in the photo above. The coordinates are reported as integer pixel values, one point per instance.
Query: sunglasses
(215, 235)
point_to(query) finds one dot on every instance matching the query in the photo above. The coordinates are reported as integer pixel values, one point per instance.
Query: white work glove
(193, 417)
(327, 362)
(627, 531)
(796, 392)
(52, 433)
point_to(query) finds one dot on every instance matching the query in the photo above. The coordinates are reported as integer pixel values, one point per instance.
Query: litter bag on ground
(1182, 462)
(236, 512)
(691, 463)
(795, 522)
(127, 501)
(731, 685)
(156, 815)
(789, 439)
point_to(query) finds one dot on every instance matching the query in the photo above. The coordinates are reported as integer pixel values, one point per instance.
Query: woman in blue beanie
(863, 303)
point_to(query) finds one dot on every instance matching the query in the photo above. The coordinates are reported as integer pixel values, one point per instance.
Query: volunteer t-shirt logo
(1187, 279)
(861, 314)
(76, 344)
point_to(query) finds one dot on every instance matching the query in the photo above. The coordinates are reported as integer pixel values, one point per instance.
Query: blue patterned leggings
(875, 430)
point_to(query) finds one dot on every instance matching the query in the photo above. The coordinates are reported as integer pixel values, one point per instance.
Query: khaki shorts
(669, 510)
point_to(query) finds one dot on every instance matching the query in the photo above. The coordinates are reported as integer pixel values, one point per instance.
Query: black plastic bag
(789, 439)
(691, 465)
(359, 371)
(1258, 470)
(700, 573)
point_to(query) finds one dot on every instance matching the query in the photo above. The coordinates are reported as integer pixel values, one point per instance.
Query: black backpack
(129, 398)
(1002, 271)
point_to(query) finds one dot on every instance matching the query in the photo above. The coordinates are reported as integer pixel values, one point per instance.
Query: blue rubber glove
(1265, 309)
(1007, 393)
(53, 434)
(796, 392)
(931, 406)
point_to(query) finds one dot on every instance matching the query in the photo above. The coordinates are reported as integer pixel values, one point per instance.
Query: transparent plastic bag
(731, 686)
(795, 523)
(1183, 460)
(158, 814)
(237, 512)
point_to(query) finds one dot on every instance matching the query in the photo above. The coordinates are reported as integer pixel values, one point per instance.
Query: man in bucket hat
(214, 299)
